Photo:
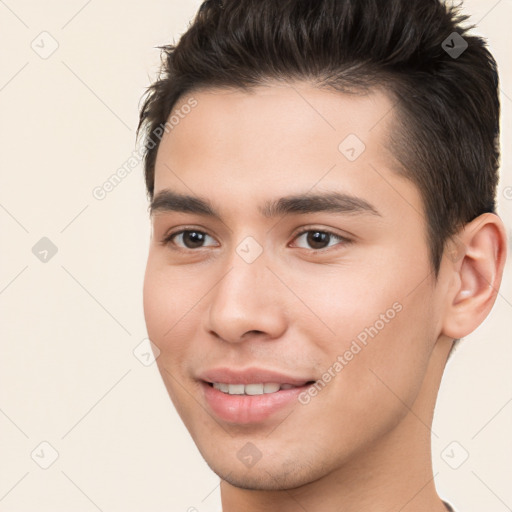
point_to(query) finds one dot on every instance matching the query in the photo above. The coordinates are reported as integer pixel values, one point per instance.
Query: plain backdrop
(77, 394)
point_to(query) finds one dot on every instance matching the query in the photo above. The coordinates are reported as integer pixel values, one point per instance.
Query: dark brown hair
(445, 134)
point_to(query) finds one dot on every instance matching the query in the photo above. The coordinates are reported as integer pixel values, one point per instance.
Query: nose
(248, 301)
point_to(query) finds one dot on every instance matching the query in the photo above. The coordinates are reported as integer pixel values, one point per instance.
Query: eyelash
(168, 239)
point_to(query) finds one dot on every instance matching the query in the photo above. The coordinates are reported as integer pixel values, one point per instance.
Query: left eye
(318, 239)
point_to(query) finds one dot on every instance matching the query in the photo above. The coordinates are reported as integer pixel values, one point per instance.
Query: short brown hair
(446, 131)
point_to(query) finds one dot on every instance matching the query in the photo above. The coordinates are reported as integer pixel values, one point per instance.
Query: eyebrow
(332, 202)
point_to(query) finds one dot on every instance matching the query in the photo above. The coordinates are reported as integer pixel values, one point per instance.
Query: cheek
(382, 328)
(167, 303)
(373, 390)
(383, 302)
(158, 306)
(389, 349)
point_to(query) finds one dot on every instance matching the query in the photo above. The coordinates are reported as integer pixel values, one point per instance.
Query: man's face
(353, 298)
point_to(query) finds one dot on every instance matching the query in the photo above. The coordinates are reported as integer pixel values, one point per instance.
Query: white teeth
(254, 389)
(250, 389)
(270, 387)
(236, 389)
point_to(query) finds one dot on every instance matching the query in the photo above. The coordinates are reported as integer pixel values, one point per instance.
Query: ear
(475, 258)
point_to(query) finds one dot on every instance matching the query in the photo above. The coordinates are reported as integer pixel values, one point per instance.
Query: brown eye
(317, 239)
(190, 239)
(193, 239)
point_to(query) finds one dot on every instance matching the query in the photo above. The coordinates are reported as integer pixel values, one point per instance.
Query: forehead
(229, 143)
(294, 111)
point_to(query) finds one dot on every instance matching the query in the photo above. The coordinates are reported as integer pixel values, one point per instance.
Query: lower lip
(244, 409)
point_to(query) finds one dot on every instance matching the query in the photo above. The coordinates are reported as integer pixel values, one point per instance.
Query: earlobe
(476, 275)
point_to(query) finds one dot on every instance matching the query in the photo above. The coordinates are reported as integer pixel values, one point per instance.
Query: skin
(363, 443)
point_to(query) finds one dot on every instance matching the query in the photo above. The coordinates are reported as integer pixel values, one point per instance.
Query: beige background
(68, 374)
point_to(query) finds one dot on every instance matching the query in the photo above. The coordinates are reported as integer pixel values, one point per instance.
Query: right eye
(190, 239)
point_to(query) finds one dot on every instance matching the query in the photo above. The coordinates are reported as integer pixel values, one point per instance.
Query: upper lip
(250, 376)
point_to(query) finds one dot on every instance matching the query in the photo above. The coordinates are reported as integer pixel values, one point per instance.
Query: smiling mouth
(254, 388)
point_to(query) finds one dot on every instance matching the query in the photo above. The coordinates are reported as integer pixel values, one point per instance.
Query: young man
(322, 177)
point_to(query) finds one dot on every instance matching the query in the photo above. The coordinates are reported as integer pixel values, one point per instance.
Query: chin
(261, 481)
(261, 476)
